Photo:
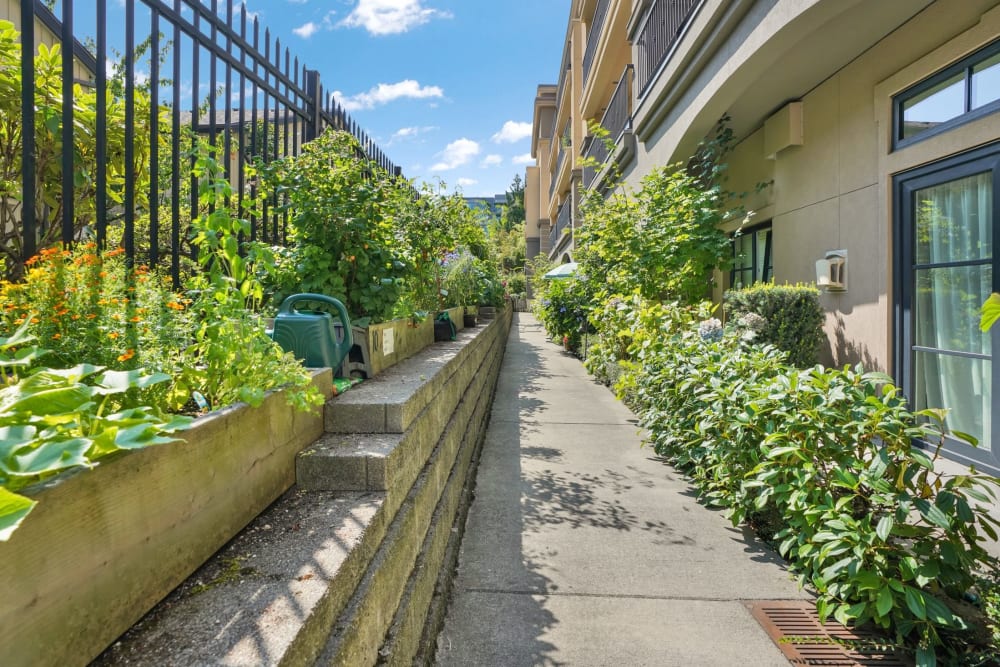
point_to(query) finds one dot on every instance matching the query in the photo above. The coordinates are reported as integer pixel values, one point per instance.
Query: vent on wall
(783, 130)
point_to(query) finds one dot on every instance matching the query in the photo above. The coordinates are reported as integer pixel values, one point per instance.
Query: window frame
(963, 66)
(767, 272)
(905, 185)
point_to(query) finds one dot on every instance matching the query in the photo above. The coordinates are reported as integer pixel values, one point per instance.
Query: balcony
(594, 36)
(555, 174)
(664, 25)
(617, 120)
(562, 223)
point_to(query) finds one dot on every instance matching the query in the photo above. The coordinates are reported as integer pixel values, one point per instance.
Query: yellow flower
(127, 355)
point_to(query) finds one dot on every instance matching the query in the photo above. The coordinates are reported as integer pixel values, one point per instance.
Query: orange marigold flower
(113, 335)
(102, 274)
(76, 316)
(127, 355)
(135, 319)
(115, 252)
(174, 305)
(91, 316)
(56, 336)
(34, 320)
(19, 321)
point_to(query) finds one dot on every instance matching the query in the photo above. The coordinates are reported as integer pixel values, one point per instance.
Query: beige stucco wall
(10, 10)
(835, 190)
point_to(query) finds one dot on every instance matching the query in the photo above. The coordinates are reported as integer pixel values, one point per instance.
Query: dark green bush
(861, 515)
(793, 314)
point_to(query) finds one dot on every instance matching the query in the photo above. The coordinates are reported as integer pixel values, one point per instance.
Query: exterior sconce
(831, 271)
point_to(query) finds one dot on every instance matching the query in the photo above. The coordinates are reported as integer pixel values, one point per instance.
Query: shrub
(794, 318)
(564, 310)
(860, 513)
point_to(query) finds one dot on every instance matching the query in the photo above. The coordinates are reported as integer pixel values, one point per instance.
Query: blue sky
(446, 87)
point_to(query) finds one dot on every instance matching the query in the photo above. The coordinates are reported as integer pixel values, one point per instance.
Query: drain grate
(795, 628)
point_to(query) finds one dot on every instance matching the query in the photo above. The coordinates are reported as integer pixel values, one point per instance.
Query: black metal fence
(259, 103)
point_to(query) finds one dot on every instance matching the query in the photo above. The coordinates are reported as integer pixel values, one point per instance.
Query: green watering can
(311, 335)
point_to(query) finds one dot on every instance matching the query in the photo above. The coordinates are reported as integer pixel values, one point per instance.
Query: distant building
(877, 126)
(492, 204)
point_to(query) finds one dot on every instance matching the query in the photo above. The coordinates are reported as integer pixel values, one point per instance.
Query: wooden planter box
(103, 546)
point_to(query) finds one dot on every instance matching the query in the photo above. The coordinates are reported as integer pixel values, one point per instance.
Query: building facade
(876, 126)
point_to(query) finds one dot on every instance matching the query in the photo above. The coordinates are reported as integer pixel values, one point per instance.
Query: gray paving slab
(582, 548)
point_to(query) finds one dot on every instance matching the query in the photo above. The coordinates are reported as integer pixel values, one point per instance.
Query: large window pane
(960, 384)
(986, 82)
(936, 105)
(946, 308)
(955, 220)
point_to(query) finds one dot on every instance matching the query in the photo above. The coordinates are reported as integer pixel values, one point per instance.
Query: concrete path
(582, 549)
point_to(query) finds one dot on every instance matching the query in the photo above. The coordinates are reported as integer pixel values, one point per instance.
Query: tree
(513, 214)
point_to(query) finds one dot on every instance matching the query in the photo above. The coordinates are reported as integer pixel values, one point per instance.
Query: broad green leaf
(932, 513)
(49, 401)
(13, 509)
(961, 435)
(926, 657)
(990, 312)
(52, 455)
(915, 601)
(884, 528)
(118, 382)
(939, 613)
(883, 603)
(139, 436)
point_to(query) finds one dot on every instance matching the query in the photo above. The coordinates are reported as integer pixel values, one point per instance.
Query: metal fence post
(314, 105)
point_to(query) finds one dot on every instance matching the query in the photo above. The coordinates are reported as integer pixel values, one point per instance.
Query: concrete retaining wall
(342, 570)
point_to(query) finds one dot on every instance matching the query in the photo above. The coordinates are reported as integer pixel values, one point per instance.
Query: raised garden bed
(104, 546)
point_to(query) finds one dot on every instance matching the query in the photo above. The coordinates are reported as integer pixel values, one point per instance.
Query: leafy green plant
(54, 420)
(231, 358)
(49, 149)
(829, 456)
(342, 227)
(990, 312)
(564, 310)
(793, 318)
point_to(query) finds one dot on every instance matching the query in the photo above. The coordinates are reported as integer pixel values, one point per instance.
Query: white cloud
(407, 132)
(491, 160)
(523, 159)
(384, 93)
(390, 17)
(306, 31)
(511, 132)
(465, 182)
(456, 154)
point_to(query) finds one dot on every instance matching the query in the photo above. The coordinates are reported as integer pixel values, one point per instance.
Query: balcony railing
(594, 36)
(616, 121)
(564, 74)
(562, 223)
(664, 23)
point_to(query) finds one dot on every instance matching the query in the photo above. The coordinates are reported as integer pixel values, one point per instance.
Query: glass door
(947, 224)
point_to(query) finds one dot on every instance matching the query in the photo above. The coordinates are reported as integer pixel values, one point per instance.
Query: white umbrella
(562, 271)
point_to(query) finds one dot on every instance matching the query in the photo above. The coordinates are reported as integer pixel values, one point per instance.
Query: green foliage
(829, 455)
(49, 149)
(564, 309)
(342, 227)
(54, 420)
(662, 241)
(231, 358)
(990, 312)
(793, 315)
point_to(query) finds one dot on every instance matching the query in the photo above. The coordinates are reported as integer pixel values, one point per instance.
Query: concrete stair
(351, 565)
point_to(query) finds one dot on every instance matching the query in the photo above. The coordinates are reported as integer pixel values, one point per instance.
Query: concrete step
(391, 401)
(417, 396)
(346, 576)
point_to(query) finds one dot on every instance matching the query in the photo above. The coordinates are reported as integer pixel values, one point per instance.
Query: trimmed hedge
(793, 314)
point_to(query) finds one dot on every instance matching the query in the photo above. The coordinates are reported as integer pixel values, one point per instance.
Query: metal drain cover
(795, 628)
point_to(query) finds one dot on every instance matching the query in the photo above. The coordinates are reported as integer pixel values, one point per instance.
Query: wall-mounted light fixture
(831, 271)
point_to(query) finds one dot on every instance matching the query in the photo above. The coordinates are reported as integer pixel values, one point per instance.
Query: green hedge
(793, 314)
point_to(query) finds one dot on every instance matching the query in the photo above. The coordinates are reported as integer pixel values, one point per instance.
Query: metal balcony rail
(663, 26)
(562, 221)
(617, 119)
(555, 174)
(261, 104)
(593, 37)
(564, 74)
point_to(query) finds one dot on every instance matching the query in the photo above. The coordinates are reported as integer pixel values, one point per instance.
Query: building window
(967, 90)
(947, 218)
(752, 257)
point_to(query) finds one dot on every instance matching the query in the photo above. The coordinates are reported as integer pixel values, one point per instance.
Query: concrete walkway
(582, 549)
